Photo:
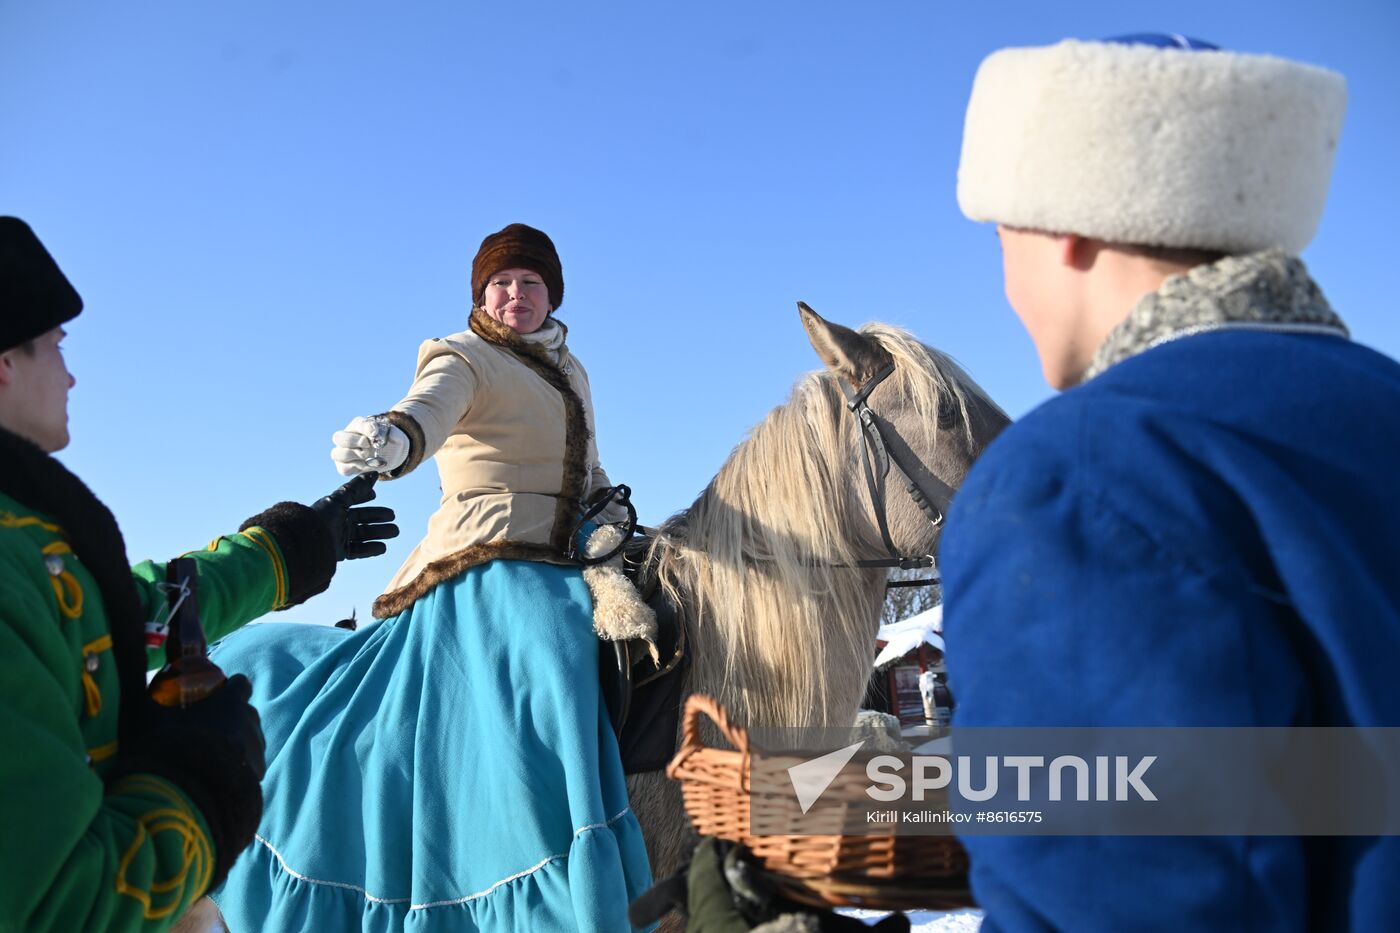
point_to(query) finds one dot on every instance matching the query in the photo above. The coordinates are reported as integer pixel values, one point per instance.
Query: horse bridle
(876, 456)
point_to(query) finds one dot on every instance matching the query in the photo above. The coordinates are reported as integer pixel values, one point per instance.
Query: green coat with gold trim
(85, 849)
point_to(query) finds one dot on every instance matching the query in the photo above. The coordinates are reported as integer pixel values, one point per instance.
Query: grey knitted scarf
(1270, 291)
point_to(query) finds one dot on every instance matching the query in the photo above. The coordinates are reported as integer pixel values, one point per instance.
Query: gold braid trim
(11, 520)
(66, 588)
(102, 752)
(92, 696)
(197, 851)
(279, 569)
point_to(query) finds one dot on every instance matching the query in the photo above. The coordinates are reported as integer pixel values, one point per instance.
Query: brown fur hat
(518, 247)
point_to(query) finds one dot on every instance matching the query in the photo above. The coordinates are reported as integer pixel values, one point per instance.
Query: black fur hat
(35, 297)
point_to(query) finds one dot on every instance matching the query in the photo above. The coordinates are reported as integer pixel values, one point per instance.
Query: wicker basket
(877, 869)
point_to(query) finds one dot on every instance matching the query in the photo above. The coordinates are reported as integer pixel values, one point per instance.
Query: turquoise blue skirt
(450, 768)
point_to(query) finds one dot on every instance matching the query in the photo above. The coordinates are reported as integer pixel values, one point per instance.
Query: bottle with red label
(188, 675)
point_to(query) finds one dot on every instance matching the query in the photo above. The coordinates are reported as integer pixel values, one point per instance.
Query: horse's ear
(844, 351)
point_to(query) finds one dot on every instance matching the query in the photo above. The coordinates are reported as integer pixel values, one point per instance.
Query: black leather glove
(213, 751)
(356, 533)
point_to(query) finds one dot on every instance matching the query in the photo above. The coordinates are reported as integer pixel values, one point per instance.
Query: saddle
(642, 683)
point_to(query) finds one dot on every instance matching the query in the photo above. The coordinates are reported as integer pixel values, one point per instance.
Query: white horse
(764, 566)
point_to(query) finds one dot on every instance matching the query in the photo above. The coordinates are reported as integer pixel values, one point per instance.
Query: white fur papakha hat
(1131, 141)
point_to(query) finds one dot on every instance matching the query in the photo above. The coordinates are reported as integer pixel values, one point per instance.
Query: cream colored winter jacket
(509, 419)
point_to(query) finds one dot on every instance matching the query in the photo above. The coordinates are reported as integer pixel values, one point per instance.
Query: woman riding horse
(442, 769)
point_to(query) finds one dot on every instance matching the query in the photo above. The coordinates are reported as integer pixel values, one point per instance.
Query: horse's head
(915, 422)
(771, 560)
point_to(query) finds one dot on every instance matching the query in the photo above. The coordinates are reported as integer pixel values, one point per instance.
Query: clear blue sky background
(267, 206)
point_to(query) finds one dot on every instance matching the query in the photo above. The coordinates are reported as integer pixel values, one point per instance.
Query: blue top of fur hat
(1163, 40)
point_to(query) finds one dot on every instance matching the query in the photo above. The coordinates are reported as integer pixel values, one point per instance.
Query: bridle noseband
(876, 456)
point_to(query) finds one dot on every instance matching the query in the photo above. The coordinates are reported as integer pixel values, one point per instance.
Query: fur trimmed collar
(546, 345)
(40, 482)
(1269, 290)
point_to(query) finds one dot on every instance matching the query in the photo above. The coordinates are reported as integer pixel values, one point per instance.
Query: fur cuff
(416, 443)
(618, 611)
(307, 549)
(1203, 149)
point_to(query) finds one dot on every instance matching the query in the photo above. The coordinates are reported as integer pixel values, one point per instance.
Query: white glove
(369, 444)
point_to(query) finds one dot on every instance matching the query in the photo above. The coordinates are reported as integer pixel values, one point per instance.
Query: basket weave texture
(877, 868)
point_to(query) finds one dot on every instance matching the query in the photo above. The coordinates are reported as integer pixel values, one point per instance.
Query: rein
(600, 500)
(876, 458)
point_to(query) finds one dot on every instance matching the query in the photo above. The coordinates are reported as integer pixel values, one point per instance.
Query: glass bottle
(188, 675)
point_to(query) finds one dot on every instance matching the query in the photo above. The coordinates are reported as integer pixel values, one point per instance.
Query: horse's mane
(752, 560)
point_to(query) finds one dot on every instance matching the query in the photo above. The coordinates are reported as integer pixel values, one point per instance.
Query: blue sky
(267, 206)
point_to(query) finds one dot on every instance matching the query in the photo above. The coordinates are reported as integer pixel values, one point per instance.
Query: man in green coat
(117, 813)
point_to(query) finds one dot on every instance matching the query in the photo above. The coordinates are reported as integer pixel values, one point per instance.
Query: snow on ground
(929, 921)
